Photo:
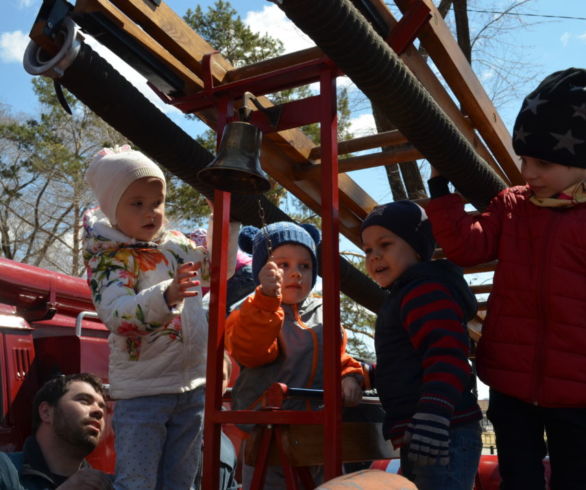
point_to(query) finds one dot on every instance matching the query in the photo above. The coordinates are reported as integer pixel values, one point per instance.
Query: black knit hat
(407, 220)
(552, 122)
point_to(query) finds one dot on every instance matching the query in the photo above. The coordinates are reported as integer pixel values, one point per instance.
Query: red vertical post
(330, 265)
(217, 318)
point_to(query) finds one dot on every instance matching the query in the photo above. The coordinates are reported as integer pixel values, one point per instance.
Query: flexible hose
(95, 83)
(346, 37)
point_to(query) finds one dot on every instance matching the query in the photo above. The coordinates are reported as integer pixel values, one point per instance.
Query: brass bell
(236, 167)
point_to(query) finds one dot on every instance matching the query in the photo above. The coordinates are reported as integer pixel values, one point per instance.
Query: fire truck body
(48, 326)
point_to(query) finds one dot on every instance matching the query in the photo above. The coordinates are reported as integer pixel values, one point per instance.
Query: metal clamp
(36, 64)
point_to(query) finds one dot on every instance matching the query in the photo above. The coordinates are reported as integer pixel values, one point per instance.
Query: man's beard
(77, 436)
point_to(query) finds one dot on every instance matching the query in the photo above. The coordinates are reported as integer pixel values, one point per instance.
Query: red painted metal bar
(331, 280)
(217, 318)
(285, 463)
(260, 467)
(406, 30)
(314, 417)
(292, 115)
(281, 79)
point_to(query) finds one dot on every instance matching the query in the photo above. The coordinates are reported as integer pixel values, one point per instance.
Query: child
(277, 334)
(423, 377)
(144, 287)
(532, 352)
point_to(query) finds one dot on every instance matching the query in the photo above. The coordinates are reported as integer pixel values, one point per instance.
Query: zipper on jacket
(315, 360)
(543, 282)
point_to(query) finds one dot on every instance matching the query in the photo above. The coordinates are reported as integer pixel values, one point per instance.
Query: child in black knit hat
(423, 377)
(532, 353)
(277, 333)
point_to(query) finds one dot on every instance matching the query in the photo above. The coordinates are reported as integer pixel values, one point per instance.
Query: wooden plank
(481, 288)
(438, 41)
(175, 35)
(266, 66)
(395, 155)
(419, 67)
(304, 444)
(386, 138)
(192, 81)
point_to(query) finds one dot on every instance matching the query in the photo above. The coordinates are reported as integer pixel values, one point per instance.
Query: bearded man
(67, 423)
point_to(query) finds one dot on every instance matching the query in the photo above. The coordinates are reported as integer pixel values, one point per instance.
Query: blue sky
(549, 42)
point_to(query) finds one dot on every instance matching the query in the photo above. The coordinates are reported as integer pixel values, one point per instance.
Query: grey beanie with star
(552, 122)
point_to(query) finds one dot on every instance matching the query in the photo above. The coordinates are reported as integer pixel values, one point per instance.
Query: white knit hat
(112, 170)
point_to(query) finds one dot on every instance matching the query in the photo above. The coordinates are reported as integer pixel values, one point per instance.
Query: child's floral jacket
(153, 349)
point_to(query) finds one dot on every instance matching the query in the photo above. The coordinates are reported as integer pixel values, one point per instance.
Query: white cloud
(12, 46)
(565, 38)
(25, 3)
(271, 20)
(582, 37)
(487, 75)
(362, 125)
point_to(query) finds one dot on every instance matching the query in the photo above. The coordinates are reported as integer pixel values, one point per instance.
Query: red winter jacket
(533, 343)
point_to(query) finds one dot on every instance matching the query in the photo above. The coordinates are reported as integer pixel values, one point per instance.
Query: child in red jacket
(532, 353)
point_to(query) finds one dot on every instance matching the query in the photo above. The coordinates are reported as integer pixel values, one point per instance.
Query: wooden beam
(127, 25)
(405, 153)
(422, 71)
(276, 63)
(438, 41)
(386, 138)
(173, 33)
(485, 267)
(481, 288)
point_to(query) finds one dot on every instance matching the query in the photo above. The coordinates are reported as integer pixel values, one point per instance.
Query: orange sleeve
(348, 364)
(252, 330)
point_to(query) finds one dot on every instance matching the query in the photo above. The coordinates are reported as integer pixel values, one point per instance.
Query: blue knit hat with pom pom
(257, 241)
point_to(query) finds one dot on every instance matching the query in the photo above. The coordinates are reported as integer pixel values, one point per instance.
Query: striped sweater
(422, 348)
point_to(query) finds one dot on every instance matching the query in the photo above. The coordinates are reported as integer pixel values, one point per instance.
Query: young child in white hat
(145, 282)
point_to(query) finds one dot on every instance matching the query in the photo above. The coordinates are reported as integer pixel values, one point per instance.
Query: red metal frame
(322, 108)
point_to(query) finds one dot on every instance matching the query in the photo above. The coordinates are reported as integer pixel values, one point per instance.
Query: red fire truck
(48, 326)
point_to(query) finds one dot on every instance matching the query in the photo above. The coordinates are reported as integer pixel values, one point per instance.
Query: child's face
(387, 255)
(141, 209)
(296, 265)
(547, 179)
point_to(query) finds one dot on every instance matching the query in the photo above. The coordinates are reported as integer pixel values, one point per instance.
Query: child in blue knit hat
(423, 377)
(277, 334)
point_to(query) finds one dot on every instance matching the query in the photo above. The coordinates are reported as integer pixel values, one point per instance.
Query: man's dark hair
(52, 391)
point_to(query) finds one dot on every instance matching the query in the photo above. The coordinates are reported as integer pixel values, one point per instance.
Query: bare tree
(486, 35)
(42, 165)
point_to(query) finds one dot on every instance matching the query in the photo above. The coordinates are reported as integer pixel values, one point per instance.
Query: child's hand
(428, 440)
(351, 391)
(271, 279)
(434, 172)
(184, 279)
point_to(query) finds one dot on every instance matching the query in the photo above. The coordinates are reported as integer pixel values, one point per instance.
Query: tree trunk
(462, 27)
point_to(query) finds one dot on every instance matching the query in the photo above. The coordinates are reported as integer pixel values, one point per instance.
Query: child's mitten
(428, 439)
